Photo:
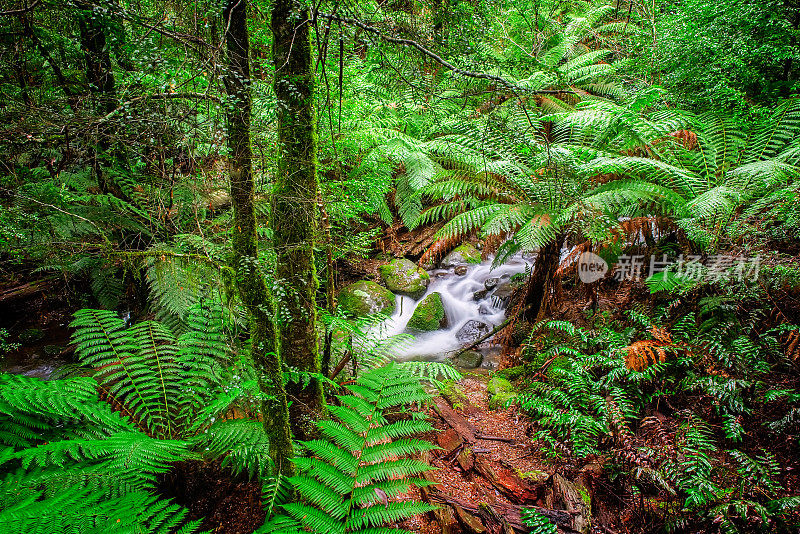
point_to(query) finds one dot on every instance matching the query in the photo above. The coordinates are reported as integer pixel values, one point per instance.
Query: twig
(437, 58)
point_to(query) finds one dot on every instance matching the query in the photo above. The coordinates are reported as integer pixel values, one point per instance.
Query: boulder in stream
(480, 294)
(429, 314)
(491, 283)
(461, 255)
(405, 278)
(468, 360)
(472, 331)
(460, 270)
(365, 297)
(502, 294)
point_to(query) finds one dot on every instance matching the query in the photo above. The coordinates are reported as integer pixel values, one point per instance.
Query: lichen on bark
(294, 213)
(250, 281)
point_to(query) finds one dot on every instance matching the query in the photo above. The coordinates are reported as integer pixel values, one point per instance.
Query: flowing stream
(464, 313)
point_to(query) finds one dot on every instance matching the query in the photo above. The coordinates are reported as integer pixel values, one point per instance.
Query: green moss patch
(405, 278)
(429, 314)
(365, 298)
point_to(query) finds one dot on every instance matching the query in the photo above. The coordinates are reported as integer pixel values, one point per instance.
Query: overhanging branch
(437, 58)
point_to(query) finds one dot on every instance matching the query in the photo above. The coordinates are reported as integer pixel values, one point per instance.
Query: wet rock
(405, 278)
(462, 255)
(480, 294)
(429, 314)
(491, 283)
(472, 331)
(468, 360)
(51, 351)
(502, 294)
(461, 270)
(365, 297)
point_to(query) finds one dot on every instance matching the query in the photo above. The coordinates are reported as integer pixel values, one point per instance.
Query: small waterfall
(460, 307)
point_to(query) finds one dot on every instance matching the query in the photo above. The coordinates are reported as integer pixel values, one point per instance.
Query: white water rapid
(460, 307)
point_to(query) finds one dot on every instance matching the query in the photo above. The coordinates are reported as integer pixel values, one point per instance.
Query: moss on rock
(429, 314)
(500, 391)
(365, 297)
(462, 255)
(470, 359)
(405, 278)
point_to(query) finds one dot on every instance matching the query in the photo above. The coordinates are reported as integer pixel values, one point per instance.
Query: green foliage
(350, 476)
(593, 402)
(724, 54)
(538, 523)
(70, 463)
(176, 387)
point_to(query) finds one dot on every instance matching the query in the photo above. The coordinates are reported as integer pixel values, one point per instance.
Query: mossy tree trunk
(249, 279)
(294, 214)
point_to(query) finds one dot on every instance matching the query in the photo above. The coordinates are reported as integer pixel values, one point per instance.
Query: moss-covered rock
(429, 314)
(513, 373)
(468, 360)
(405, 278)
(461, 255)
(534, 477)
(365, 297)
(500, 391)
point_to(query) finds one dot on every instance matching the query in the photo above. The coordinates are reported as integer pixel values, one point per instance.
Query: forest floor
(488, 468)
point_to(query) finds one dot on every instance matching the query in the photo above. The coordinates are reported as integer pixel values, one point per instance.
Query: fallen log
(511, 514)
(507, 482)
(28, 290)
(444, 515)
(472, 523)
(569, 494)
(456, 421)
(495, 438)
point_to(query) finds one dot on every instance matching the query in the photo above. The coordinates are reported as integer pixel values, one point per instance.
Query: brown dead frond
(686, 138)
(640, 355)
(641, 228)
(437, 250)
(793, 346)
(572, 258)
(492, 243)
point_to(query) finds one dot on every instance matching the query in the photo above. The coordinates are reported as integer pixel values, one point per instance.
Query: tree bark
(294, 214)
(541, 283)
(249, 279)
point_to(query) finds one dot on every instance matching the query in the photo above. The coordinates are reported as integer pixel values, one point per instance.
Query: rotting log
(456, 421)
(515, 488)
(28, 290)
(510, 513)
(444, 515)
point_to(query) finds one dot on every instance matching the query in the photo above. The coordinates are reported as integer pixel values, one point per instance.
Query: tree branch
(437, 58)
(14, 12)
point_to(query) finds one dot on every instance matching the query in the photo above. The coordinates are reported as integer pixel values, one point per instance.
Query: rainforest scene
(399, 266)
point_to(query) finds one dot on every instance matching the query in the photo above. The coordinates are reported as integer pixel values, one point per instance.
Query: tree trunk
(294, 215)
(249, 279)
(541, 285)
(99, 74)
